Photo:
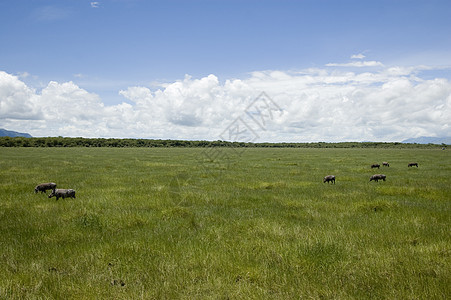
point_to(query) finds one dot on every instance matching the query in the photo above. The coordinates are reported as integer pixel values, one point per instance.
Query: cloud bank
(323, 104)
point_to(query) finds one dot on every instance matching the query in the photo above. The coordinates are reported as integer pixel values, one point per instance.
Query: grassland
(171, 223)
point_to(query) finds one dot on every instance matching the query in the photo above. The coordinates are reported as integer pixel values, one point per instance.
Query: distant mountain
(429, 140)
(4, 132)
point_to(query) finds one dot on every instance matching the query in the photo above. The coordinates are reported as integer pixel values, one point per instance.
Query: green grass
(172, 223)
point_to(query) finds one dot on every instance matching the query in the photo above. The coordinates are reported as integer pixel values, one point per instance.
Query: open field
(170, 223)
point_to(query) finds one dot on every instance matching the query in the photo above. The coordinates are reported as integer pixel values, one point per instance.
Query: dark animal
(386, 164)
(377, 177)
(412, 165)
(43, 187)
(375, 166)
(62, 193)
(329, 178)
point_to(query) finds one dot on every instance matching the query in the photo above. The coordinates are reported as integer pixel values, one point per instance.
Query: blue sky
(106, 48)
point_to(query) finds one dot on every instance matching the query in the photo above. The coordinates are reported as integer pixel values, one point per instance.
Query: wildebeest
(62, 193)
(377, 177)
(329, 178)
(375, 166)
(43, 187)
(386, 164)
(412, 164)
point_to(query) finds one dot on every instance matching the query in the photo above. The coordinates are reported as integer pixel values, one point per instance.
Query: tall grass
(170, 223)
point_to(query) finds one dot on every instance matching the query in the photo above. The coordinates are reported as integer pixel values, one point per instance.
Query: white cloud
(358, 56)
(95, 4)
(390, 104)
(23, 75)
(359, 64)
(17, 101)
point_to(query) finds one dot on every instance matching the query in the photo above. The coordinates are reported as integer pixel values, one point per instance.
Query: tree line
(128, 142)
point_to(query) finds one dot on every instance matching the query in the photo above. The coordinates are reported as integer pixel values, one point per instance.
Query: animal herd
(70, 193)
(375, 177)
(58, 193)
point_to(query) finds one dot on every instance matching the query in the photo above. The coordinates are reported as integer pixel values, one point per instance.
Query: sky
(274, 71)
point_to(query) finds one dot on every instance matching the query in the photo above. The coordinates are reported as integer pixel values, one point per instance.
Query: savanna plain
(246, 223)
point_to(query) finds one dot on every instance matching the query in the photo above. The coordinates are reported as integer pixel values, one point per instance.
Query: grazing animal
(377, 177)
(329, 178)
(62, 193)
(386, 164)
(375, 166)
(43, 187)
(412, 164)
